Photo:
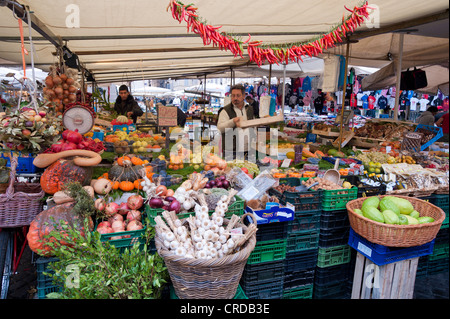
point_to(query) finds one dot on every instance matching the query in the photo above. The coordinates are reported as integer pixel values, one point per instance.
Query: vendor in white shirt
(230, 117)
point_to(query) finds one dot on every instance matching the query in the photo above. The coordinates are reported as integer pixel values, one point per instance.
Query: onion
(161, 190)
(57, 80)
(170, 192)
(222, 178)
(72, 97)
(219, 184)
(170, 198)
(63, 77)
(208, 185)
(226, 184)
(58, 90)
(174, 206)
(156, 202)
(70, 81)
(65, 86)
(72, 89)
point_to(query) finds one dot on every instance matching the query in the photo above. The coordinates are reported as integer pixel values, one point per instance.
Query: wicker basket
(216, 278)
(21, 202)
(397, 235)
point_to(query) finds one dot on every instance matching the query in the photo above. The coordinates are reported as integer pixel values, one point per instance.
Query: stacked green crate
(45, 284)
(334, 255)
(263, 274)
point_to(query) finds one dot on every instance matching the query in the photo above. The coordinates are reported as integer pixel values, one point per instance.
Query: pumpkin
(137, 184)
(115, 185)
(126, 186)
(121, 160)
(44, 223)
(124, 173)
(136, 161)
(63, 171)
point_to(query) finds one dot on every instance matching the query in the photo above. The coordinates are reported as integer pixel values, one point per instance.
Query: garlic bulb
(225, 249)
(206, 224)
(166, 243)
(201, 231)
(208, 235)
(197, 238)
(209, 245)
(214, 228)
(180, 251)
(221, 230)
(215, 237)
(230, 243)
(218, 220)
(199, 246)
(169, 236)
(222, 239)
(177, 223)
(217, 245)
(201, 254)
(188, 255)
(223, 198)
(174, 244)
(212, 252)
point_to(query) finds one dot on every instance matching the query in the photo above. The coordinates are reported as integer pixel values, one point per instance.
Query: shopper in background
(443, 122)
(255, 104)
(127, 105)
(427, 117)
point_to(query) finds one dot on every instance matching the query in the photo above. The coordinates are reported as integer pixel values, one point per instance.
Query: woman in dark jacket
(127, 105)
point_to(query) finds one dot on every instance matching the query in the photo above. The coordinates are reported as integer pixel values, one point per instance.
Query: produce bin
(265, 251)
(332, 256)
(295, 279)
(302, 241)
(337, 199)
(263, 272)
(382, 255)
(24, 164)
(300, 260)
(301, 292)
(45, 284)
(304, 222)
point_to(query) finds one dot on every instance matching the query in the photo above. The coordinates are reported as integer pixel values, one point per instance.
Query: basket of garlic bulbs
(205, 254)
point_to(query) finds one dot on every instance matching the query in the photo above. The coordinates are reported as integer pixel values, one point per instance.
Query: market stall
(171, 218)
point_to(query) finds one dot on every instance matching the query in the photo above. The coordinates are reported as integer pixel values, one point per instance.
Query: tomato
(244, 169)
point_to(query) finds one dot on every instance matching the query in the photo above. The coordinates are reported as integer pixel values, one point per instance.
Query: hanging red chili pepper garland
(258, 52)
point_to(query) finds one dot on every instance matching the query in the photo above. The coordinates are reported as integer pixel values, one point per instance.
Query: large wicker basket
(397, 235)
(216, 278)
(21, 202)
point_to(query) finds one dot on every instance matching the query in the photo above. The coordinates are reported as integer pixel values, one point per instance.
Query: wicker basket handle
(12, 175)
(251, 215)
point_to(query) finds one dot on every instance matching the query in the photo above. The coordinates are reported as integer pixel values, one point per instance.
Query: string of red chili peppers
(258, 52)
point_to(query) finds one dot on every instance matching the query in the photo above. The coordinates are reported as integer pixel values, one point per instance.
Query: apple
(26, 132)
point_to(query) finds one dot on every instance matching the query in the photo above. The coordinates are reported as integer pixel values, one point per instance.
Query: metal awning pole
(344, 89)
(398, 74)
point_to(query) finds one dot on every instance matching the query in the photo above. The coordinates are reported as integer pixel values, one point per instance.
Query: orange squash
(319, 154)
(307, 153)
(136, 161)
(126, 186)
(137, 184)
(121, 159)
(115, 185)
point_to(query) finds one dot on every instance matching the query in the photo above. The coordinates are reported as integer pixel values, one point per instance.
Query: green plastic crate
(337, 199)
(302, 241)
(332, 256)
(236, 208)
(305, 222)
(440, 251)
(301, 292)
(271, 250)
(440, 200)
(45, 284)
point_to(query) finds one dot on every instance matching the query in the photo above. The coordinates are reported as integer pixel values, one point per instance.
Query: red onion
(156, 202)
(219, 184)
(174, 206)
(169, 198)
(225, 184)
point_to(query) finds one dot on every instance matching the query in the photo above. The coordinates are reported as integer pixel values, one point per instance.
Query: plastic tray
(263, 272)
(45, 284)
(336, 236)
(272, 231)
(302, 241)
(270, 290)
(301, 292)
(337, 290)
(24, 164)
(334, 219)
(302, 201)
(295, 279)
(300, 260)
(304, 222)
(332, 256)
(266, 251)
(382, 255)
(337, 199)
(333, 274)
(434, 129)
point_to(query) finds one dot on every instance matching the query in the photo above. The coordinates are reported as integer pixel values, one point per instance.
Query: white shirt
(224, 122)
(413, 103)
(423, 104)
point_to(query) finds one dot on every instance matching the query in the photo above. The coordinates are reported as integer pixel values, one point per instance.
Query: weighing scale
(79, 117)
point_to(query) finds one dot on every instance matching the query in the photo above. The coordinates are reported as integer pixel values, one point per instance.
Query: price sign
(167, 116)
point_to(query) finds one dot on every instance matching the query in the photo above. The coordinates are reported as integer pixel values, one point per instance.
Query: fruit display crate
(337, 199)
(45, 284)
(295, 279)
(267, 290)
(332, 256)
(272, 231)
(300, 260)
(24, 164)
(335, 236)
(302, 201)
(265, 251)
(236, 208)
(434, 130)
(304, 222)
(301, 292)
(440, 200)
(302, 241)
(263, 272)
(440, 251)
(382, 255)
(334, 219)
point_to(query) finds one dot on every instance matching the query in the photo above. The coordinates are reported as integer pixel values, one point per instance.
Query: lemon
(347, 185)
(371, 164)
(377, 170)
(378, 165)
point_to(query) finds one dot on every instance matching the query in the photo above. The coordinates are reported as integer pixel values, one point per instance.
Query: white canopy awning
(136, 39)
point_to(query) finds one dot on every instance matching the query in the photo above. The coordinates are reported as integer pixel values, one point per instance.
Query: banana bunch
(405, 159)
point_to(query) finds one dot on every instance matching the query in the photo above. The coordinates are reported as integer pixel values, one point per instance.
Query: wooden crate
(390, 281)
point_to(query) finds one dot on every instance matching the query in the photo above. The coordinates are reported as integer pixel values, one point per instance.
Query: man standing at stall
(234, 139)
(127, 105)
